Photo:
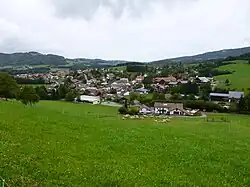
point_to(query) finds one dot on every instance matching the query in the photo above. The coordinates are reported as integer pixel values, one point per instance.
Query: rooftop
(219, 95)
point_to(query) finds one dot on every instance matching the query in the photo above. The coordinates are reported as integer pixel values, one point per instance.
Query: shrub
(28, 96)
(204, 105)
(133, 111)
(70, 96)
(123, 110)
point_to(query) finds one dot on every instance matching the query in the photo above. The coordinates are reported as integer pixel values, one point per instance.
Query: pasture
(64, 144)
(239, 80)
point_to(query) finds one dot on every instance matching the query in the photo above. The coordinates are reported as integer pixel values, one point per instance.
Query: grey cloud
(87, 8)
(143, 30)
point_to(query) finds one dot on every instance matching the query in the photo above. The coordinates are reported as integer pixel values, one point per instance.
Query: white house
(90, 99)
(170, 109)
(146, 110)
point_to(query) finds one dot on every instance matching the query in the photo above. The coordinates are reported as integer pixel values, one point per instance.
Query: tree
(227, 82)
(63, 90)
(8, 86)
(247, 100)
(42, 92)
(176, 97)
(189, 88)
(206, 88)
(248, 61)
(133, 96)
(70, 96)
(55, 94)
(204, 96)
(133, 111)
(28, 96)
(148, 80)
(123, 110)
(191, 97)
(242, 106)
(158, 96)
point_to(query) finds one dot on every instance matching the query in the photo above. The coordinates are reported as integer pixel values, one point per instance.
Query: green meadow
(240, 79)
(64, 144)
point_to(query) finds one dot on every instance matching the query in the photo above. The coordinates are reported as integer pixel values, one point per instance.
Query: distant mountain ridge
(30, 58)
(35, 58)
(206, 56)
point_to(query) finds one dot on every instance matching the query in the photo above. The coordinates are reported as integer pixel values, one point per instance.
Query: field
(64, 144)
(118, 68)
(239, 79)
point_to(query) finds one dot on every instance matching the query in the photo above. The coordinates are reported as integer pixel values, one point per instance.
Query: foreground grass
(239, 79)
(62, 144)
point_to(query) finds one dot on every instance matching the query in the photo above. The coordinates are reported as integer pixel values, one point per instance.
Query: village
(151, 93)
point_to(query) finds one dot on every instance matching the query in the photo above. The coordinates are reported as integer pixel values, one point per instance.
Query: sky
(136, 30)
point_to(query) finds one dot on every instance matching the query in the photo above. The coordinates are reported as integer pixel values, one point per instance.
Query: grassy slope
(118, 68)
(62, 144)
(239, 79)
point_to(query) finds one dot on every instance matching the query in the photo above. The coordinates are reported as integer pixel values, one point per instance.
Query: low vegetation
(240, 77)
(64, 144)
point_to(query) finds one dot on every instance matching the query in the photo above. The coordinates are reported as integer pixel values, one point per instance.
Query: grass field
(41, 66)
(118, 68)
(239, 79)
(64, 144)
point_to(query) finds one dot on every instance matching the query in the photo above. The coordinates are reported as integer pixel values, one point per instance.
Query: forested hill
(222, 54)
(30, 58)
(34, 58)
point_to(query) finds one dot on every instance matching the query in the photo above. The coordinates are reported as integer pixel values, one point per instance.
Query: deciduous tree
(28, 96)
(8, 86)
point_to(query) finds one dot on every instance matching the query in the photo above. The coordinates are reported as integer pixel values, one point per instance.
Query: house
(170, 109)
(173, 83)
(110, 76)
(164, 80)
(159, 87)
(139, 78)
(146, 110)
(90, 99)
(202, 80)
(142, 91)
(235, 95)
(230, 96)
(219, 96)
(124, 80)
(183, 82)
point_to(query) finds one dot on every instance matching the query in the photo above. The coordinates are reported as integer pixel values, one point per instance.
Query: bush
(204, 105)
(28, 96)
(123, 110)
(70, 96)
(133, 111)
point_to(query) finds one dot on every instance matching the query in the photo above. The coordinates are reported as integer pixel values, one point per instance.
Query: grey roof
(142, 90)
(184, 82)
(170, 106)
(173, 83)
(203, 79)
(219, 95)
(236, 95)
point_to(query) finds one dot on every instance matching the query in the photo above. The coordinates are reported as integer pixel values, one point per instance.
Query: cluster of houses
(169, 109)
(50, 78)
(109, 86)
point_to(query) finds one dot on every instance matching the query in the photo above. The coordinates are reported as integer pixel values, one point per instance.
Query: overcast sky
(141, 30)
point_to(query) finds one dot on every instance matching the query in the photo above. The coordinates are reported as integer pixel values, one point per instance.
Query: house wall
(177, 112)
(145, 111)
(166, 111)
(161, 110)
(96, 102)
